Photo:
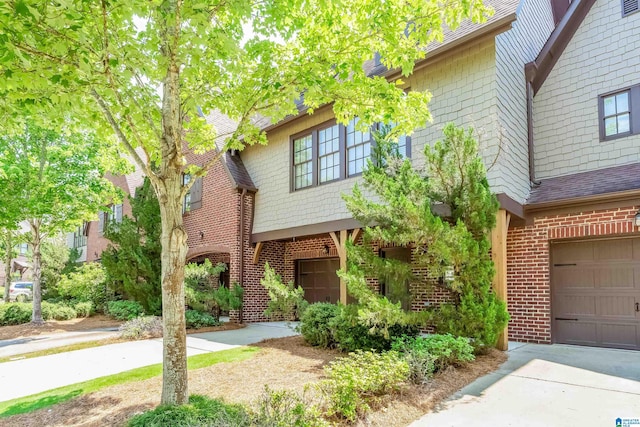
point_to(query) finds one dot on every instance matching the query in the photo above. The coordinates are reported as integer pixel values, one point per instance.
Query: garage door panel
(319, 280)
(614, 250)
(579, 333)
(617, 276)
(619, 307)
(573, 277)
(619, 335)
(595, 288)
(575, 305)
(571, 253)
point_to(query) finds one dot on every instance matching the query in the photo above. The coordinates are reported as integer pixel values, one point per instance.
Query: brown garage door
(596, 293)
(319, 280)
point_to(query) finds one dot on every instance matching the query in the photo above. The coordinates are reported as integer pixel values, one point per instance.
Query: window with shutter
(629, 7)
(196, 194)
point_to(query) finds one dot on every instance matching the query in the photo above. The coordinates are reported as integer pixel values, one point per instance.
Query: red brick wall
(528, 276)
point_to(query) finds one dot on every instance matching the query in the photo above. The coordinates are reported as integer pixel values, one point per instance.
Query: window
(619, 113)
(113, 214)
(193, 199)
(23, 248)
(358, 148)
(80, 236)
(330, 152)
(395, 289)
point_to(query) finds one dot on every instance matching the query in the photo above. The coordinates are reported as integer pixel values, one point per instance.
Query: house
(19, 265)
(282, 203)
(88, 238)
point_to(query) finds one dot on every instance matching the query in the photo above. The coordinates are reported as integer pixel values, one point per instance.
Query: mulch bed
(57, 326)
(283, 363)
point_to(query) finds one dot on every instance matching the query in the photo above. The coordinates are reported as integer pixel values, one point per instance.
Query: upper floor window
(23, 248)
(619, 113)
(113, 214)
(193, 199)
(331, 151)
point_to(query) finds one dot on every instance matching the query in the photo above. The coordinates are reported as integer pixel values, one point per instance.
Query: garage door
(596, 293)
(319, 280)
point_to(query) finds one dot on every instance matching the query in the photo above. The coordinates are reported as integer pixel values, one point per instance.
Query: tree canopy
(137, 70)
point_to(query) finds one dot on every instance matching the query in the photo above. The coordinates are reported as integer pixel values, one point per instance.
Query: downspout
(532, 165)
(241, 260)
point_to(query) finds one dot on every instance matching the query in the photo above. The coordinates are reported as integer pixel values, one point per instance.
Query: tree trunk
(174, 253)
(36, 317)
(7, 264)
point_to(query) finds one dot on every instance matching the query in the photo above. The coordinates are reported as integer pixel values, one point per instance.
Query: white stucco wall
(601, 57)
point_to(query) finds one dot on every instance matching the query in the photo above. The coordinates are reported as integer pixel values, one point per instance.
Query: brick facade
(528, 268)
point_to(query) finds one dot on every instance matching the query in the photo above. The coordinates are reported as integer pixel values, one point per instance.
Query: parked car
(21, 291)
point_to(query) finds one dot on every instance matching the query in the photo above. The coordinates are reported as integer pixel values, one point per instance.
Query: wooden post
(499, 257)
(341, 246)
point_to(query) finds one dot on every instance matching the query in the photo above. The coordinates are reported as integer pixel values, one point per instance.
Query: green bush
(229, 299)
(284, 409)
(351, 334)
(57, 311)
(433, 353)
(141, 328)
(315, 324)
(15, 313)
(285, 300)
(356, 381)
(197, 320)
(201, 411)
(87, 284)
(83, 309)
(124, 310)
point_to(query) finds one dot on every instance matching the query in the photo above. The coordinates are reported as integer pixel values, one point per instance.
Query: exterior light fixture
(325, 249)
(636, 219)
(201, 235)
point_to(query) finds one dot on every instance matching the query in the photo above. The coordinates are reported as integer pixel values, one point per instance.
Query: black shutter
(196, 194)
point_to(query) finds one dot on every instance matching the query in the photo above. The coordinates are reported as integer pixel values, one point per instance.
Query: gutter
(583, 200)
(499, 26)
(532, 161)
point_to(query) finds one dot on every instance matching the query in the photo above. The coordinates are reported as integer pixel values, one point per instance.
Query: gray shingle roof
(585, 184)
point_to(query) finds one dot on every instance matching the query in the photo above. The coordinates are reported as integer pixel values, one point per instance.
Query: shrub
(201, 411)
(354, 382)
(284, 409)
(15, 313)
(315, 324)
(197, 320)
(83, 309)
(285, 300)
(124, 310)
(201, 281)
(57, 311)
(229, 299)
(434, 353)
(351, 334)
(141, 328)
(85, 284)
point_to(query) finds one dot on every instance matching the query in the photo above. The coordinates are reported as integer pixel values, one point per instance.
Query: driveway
(29, 376)
(548, 385)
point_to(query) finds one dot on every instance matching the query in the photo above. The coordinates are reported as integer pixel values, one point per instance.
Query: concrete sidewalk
(23, 345)
(548, 385)
(29, 376)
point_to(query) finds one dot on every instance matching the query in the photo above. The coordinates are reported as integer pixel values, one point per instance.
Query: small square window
(616, 115)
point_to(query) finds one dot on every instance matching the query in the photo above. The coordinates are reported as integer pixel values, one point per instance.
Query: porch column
(499, 257)
(341, 246)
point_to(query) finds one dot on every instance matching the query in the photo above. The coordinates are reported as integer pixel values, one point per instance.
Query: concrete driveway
(549, 385)
(29, 376)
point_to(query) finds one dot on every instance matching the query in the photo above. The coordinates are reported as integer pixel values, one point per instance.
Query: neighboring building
(19, 265)
(89, 237)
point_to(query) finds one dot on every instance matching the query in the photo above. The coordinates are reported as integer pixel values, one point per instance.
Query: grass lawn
(38, 401)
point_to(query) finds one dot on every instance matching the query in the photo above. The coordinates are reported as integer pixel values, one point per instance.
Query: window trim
(634, 113)
(315, 158)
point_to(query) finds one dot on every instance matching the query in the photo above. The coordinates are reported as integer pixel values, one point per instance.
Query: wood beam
(256, 252)
(355, 234)
(499, 257)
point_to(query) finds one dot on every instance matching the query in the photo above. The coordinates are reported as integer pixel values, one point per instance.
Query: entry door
(319, 280)
(596, 293)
